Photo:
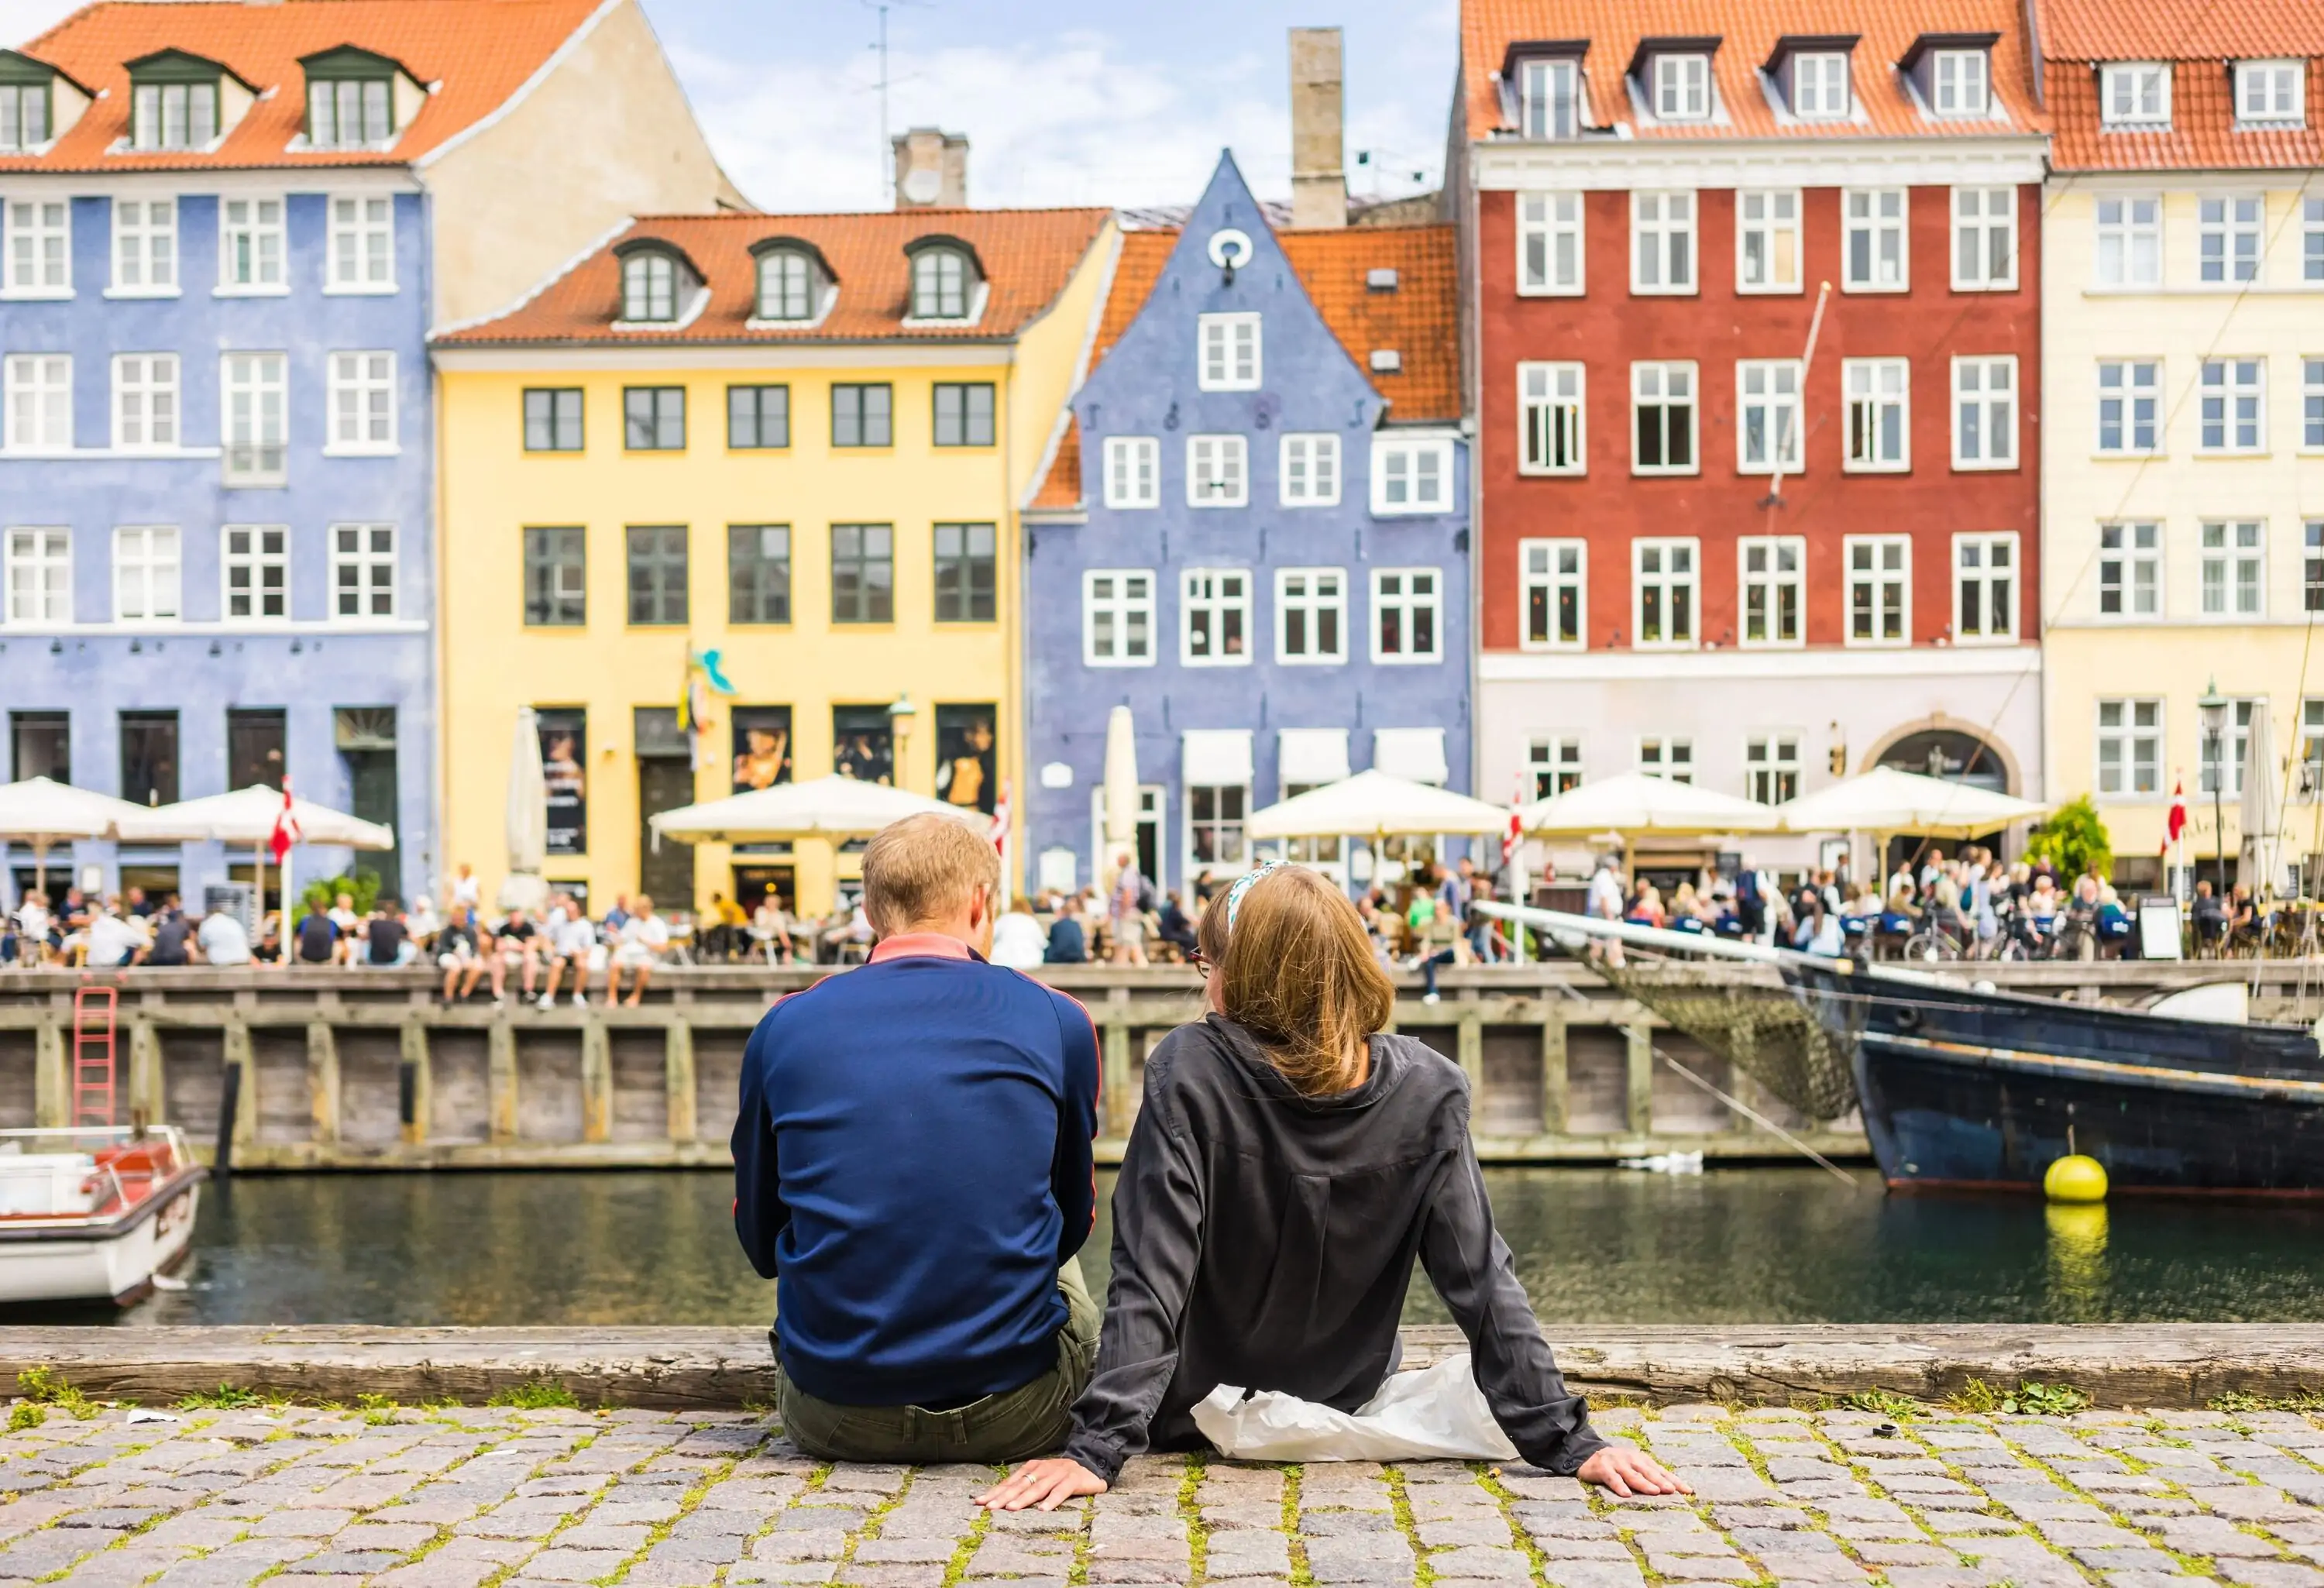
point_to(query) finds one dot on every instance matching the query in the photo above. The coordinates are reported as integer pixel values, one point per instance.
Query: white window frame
(2130, 570)
(39, 574)
(2311, 239)
(1981, 395)
(1667, 580)
(1557, 757)
(1666, 755)
(2235, 749)
(2271, 93)
(2230, 238)
(1980, 216)
(358, 244)
(1310, 593)
(1771, 574)
(1418, 466)
(37, 261)
(2231, 560)
(1820, 86)
(148, 411)
(2312, 404)
(1552, 570)
(1552, 418)
(2129, 244)
(1121, 605)
(1228, 356)
(1663, 233)
(1551, 262)
(148, 573)
(257, 558)
(2136, 743)
(1875, 391)
(1307, 469)
(365, 559)
(246, 450)
(1976, 570)
(251, 234)
(1133, 472)
(2135, 96)
(2129, 401)
(1767, 405)
(363, 406)
(1768, 241)
(1218, 471)
(1661, 371)
(1545, 88)
(143, 249)
(1221, 862)
(1206, 592)
(1891, 587)
(1771, 765)
(2241, 406)
(1681, 87)
(39, 399)
(1962, 83)
(1866, 213)
(1395, 590)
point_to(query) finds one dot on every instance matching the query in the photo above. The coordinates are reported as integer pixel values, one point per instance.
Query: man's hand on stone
(1047, 1483)
(1626, 1470)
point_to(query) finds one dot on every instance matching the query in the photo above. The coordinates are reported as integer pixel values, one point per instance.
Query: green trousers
(1015, 1425)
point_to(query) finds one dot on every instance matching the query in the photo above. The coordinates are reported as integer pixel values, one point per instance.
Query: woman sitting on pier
(1290, 1163)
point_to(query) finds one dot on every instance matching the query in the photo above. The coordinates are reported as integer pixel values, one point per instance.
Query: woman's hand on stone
(1047, 1483)
(1627, 1471)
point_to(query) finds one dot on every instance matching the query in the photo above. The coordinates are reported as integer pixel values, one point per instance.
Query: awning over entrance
(1414, 753)
(1308, 757)
(1216, 757)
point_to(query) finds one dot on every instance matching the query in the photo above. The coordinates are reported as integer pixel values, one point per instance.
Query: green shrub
(362, 887)
(2073, 840)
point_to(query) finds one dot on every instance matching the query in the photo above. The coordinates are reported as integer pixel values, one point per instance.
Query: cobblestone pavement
(460, 1498)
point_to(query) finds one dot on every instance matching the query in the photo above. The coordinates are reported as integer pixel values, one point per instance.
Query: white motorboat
(94, 1214)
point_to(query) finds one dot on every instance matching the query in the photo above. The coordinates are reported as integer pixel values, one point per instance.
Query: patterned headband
(1242, 886)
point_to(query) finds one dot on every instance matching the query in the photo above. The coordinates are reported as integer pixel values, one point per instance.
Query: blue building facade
(216, 552)
(1268, 557)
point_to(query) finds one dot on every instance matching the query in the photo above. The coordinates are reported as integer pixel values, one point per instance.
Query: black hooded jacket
(1265, 1240)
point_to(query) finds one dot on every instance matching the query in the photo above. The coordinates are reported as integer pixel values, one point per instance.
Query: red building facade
(1697, 554)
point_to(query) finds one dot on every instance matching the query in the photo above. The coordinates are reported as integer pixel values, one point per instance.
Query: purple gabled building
(1255, 534)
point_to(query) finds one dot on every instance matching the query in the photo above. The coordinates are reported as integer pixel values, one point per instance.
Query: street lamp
(2213, 708)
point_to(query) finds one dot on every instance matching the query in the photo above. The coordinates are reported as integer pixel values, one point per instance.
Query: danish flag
(2176, 822)
(286, 827)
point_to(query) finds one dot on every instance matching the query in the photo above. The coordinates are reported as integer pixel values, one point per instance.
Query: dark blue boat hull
(1986, 1089)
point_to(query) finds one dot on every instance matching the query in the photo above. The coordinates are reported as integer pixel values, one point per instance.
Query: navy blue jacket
(912, 1166)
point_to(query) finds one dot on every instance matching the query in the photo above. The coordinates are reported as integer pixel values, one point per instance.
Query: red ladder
(95, 1012)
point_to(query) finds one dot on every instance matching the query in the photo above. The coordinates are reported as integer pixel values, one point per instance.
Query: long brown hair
(1300, 976)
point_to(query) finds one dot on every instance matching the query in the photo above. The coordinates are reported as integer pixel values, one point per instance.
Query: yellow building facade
(794, 445)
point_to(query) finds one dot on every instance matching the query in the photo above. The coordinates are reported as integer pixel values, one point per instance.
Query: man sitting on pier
(912, 1166)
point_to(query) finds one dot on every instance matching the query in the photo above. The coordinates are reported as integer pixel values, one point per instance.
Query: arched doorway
(1949, 753)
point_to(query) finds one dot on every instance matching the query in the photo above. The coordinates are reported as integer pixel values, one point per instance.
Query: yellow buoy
(2075, 1179)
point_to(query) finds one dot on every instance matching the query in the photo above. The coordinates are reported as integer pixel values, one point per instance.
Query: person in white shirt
(1018, 939)
(1605, 903)
(344, 917)
(644, 936)
(572, 941)
(33, 923)
(222, 939)
(117, 939)
(422, 922)
(467, 894)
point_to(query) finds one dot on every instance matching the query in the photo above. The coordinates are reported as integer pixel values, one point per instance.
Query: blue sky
(1062, 104)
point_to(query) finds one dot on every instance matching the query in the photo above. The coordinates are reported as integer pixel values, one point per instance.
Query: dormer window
(2135, 96)
(173, 102)
(792, 280)
(1961, 85)
(1549, 99)
(653, 286)
(1820, 86)
(26, 108)
(1681, 87)
(942, 281)
(2270, 93)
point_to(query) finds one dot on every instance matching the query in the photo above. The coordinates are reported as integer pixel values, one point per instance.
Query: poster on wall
(864, 744)
(564, 768)
(967, 771)
(763, 746)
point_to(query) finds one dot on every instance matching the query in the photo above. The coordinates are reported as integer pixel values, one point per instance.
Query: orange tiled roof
(2203, 38)
(1418, 320)
(474, 52)
(1748, 31)
(1029, 255)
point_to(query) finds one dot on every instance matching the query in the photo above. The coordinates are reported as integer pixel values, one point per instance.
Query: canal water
(1593, 1246)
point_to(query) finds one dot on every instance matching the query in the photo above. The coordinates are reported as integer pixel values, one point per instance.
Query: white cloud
(21, 19)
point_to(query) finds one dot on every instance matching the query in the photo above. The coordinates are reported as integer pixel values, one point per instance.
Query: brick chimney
(931, 170)
(1319, 178)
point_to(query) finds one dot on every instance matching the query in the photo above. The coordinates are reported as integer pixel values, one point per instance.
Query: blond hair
(1300, 976)
(923, 868)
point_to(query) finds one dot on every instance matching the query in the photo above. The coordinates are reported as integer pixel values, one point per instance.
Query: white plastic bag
(1436, 1414)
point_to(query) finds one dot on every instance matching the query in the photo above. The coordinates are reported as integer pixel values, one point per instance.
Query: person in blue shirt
(913, 1169)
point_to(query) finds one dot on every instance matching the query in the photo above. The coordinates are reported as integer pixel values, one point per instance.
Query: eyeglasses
(1203, 967)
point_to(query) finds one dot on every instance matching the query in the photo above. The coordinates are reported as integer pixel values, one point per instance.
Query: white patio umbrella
(41, 812)
(1376, 805)
(835, 807)
(1634, 803)
(246, 819)
(2260, 813)
(1886, 800)
(527, 817)
(1120, 796)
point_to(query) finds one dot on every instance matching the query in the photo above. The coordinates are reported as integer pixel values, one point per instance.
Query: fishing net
(1747, 1017)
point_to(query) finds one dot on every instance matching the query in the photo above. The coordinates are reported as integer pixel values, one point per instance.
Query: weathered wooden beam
(51, 1075)
(597, 1083)
(1638, 1101)
(235, 1045)
(415, 1082)
(322, 1080)
(1120, 1106)
(1553, 1086)
(678, 1080)
(500, 1082)
(1469, 1046)
(147, 1105)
